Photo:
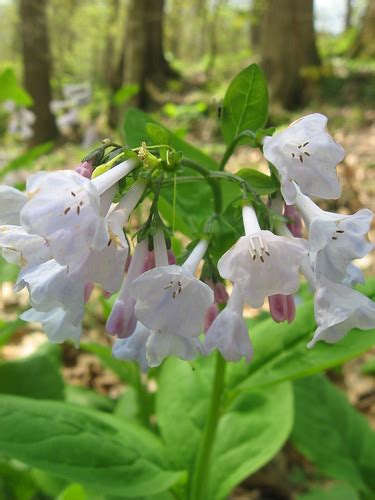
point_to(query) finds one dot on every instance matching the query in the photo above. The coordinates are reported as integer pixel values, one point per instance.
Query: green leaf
(280, 351)
(11, 90)
(37, 376)
(8, 329)
(157, 134)
(8, 272)
(125, 93)
(74, 491)
(111, 456)
(337, 492)
(263, 184)
(332, 434)
(82, 396)
(27, 159)
(368, 368)
(16, 483)
(249, 434)
(245, 104)
(251, 430)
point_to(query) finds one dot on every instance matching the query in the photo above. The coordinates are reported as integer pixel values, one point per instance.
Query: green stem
(201, 470)
(230, 149)
(216, 190)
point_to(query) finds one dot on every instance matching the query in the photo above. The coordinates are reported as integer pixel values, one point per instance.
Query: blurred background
(70, 68)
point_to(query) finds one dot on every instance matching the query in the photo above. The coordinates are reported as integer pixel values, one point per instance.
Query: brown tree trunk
(287, 48)
(212, 36)
(37, 67)
(348, 14)
(256, 13)
(144, 55)
(365, 43)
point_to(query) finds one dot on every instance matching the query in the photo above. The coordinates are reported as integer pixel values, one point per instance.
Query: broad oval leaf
(348, 450)
(245, 104)
(110, 456)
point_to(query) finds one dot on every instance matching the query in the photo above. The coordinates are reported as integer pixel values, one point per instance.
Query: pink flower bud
(89, 287)
(149, 262)
(122, 320)
(221, 294)
(106, 294)
(296, 227)
(85, 169)
(171, 257)
(282, 307)
(211, 314)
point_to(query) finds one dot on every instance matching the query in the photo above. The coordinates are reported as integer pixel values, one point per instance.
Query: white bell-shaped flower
(64, 208)
(161, 345)
(335, 240)
(11, 202)
(306, 153)
(133, 348)
(229, 333)
(338, 309)
(170, 299)
(261, 263)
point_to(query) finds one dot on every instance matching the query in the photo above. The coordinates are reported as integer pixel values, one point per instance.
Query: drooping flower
(64, 208)
(335, 240)
(169, 299)
(282, 308)
(261, 263)
(21, 248)
(338, 309)
(229, 333)
(122, 320)
(85, 169)
(133, 348)
(307, 154)
(294, 227)
(211, 314)
(11, 202)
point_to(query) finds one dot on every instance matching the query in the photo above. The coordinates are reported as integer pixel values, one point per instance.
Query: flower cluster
(67, 233)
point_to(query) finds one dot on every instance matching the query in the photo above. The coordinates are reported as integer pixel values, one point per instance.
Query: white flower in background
(335, 240)
(261, 263)
(229, 333)
(307, 154)
(169, 299)
(11, 202)
(338, 309)
(64, 208)
(57, 324)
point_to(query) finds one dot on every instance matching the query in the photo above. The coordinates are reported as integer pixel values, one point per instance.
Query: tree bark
(365, 43)
(288, 47)
(256, 13)
(144, 60)
(37, 67)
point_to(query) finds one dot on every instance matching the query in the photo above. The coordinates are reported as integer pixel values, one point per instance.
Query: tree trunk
(144, 55)
(287, 48)
(365, 43)
(212, 36)
(37, 67)
(348, 14)
(256, 13)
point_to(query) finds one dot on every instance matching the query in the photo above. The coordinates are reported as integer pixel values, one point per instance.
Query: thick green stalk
(201, 471)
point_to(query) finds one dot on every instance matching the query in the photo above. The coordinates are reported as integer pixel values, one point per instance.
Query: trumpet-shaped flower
(64, 208)
(21, 248)
(261, 263)
(338, 309)
(11, 202)
(229, 333)
(169, 299)
(150, 348)
(335, 240)
(307, 154)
